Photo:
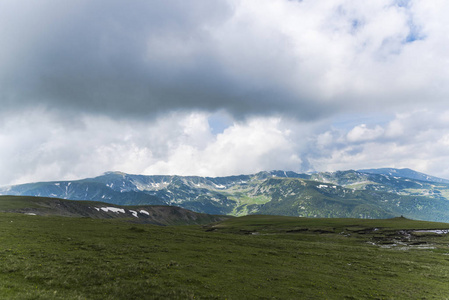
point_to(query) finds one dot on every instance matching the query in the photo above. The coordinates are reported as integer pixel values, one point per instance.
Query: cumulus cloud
(181, 143)
(361, 133)
(184, 144)
(260, 144)
(416, 140)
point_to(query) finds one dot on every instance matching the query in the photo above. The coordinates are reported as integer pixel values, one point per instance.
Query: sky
(223, 87)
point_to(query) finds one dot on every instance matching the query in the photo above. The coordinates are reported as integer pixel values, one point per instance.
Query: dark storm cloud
(129, 58)
(91, 55)
(144, 58)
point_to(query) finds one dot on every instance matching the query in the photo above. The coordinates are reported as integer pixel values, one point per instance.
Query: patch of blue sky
(219, 121)
(356, 24)
(414, 34)
(402, 3)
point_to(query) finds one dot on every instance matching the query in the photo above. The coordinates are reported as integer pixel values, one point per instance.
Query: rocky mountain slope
(158, 215)
(371, 193)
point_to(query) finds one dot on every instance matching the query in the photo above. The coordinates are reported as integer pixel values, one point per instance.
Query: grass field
(254, 257)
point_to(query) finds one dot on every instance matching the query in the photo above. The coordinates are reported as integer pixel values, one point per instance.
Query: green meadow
(253, 257)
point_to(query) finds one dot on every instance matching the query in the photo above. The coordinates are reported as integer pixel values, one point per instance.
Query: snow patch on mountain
(144, 212)
(113, 209)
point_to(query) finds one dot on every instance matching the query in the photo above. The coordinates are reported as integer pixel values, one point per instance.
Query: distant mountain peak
(406, 173)
(115, 173)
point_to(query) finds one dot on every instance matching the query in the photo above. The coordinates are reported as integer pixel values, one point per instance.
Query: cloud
(184, 144)
(233, 86)
(416, 140)
(361, 133)
(306, 59)
(260, 144)
(181, 143)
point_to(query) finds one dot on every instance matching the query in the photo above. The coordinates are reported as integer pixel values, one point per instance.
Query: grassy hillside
(253, 257)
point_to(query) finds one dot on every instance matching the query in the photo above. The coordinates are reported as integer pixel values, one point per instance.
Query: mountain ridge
(405, 172)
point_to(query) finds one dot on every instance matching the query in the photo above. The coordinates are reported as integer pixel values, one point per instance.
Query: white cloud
(260, 144)
(42, 147)
(362, 133)
(416, 140)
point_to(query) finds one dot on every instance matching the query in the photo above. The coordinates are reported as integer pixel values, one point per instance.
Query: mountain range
(369, 193)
